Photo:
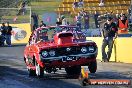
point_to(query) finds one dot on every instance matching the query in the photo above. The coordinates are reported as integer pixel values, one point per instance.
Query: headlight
(68, 49)
(84, 49)
(52, 53)
(91, 49)
(44, 53)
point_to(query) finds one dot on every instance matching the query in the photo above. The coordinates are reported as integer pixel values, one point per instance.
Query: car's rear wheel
(39, 70)
(92, 67)
(75, 70)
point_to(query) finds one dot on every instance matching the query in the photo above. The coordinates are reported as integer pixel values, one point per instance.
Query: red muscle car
(53, 48)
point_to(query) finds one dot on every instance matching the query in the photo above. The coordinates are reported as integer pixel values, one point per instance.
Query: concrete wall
(122, 51)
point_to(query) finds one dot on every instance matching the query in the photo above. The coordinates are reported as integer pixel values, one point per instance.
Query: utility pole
(131, 7)
(131, 10)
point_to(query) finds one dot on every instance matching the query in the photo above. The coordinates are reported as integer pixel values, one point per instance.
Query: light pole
(131, 10)
(131, 7)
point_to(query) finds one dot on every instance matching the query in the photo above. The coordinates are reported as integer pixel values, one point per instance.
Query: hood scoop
(63, 38)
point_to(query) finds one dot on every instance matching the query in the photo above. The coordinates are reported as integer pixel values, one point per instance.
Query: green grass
(45, 4)
(39, 7)
(19, 17)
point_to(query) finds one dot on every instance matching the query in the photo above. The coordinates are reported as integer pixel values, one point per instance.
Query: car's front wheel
(92, 67)
(75, 70)
(31, 72)
(39, 70)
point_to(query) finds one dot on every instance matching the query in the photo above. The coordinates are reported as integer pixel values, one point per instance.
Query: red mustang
(50, 48)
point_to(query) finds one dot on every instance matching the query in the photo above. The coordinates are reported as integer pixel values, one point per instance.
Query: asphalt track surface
(13, 73)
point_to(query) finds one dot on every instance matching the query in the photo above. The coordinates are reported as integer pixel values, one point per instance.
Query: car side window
(34, 38)
(30, 39)
(42, 35)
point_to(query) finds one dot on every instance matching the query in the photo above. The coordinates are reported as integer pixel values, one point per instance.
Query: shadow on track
(51, 81)
(14, 45)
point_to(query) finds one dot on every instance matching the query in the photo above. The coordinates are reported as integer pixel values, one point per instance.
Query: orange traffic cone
(84, 78)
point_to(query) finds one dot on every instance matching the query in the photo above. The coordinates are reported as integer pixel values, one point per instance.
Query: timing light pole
(131, 10)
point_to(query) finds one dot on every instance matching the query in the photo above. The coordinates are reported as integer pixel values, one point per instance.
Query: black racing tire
(75, 70)
(85, 82)
(39, 70)
(92, 67)
(31, 72)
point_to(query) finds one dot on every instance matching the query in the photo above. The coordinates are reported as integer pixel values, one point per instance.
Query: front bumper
(60, 64)
(81, 59)
(88, 55)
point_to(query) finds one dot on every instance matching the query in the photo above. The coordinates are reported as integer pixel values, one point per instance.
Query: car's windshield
(48, 33)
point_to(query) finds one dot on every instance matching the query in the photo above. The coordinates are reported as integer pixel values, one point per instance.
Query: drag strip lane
(13, 73)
